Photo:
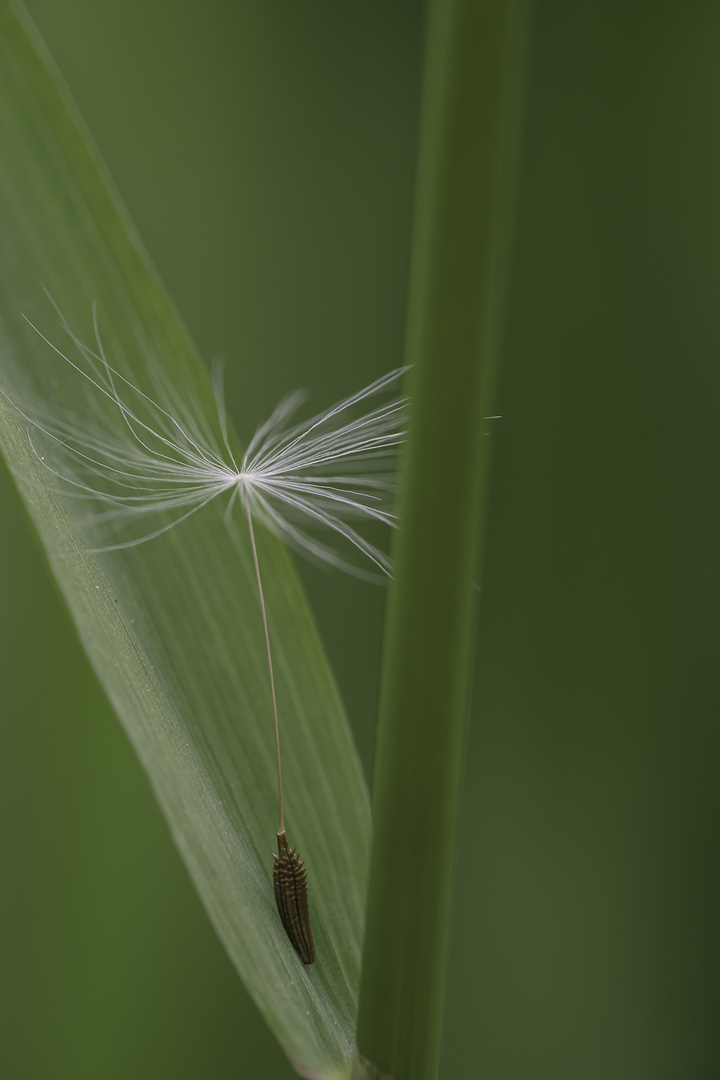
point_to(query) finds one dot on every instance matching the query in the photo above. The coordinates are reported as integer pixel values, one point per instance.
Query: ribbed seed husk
(291, 897)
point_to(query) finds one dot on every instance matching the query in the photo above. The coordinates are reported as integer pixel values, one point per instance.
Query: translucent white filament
(144, 460)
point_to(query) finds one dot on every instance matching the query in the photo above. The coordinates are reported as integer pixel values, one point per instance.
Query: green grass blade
(458, 263)
(173, 626)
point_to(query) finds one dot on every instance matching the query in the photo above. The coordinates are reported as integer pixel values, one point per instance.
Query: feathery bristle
(156, 464)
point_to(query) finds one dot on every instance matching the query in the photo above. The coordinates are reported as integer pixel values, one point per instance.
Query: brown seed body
(291, 898)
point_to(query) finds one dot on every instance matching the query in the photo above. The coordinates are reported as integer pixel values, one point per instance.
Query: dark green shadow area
(588, 882)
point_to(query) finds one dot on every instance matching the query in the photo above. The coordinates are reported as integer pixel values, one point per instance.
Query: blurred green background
(266, 155)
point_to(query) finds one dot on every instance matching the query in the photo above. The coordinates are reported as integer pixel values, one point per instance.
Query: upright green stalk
(461, 240)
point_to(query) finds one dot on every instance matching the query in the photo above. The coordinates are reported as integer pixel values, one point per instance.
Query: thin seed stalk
(461, 238)
(289, 876)
(271, 673)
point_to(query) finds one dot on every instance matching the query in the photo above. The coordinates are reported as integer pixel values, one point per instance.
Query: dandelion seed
(151, 466)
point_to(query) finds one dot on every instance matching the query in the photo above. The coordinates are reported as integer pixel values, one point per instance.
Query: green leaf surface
(468, 142)
(173, 626)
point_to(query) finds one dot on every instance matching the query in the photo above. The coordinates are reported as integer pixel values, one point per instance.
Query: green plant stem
(469, 132)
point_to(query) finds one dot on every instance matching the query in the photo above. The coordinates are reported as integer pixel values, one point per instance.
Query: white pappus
(329, 472)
